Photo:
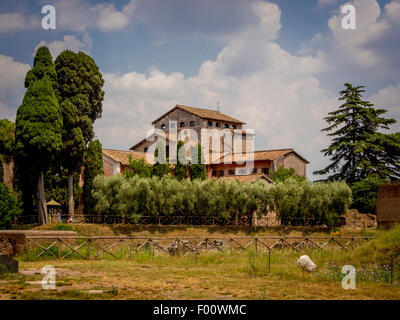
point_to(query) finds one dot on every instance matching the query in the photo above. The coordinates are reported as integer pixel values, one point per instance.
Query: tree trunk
(236, 218)
(41, 200)
(71, 202)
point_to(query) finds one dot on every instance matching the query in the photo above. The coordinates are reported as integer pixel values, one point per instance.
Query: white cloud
(69, 42)
(13, 22)
(276, 93)
(79, 15)
(389, 98)
(12, 78)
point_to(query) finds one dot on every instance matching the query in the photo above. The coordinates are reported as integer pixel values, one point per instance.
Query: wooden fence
(187, 220)
(88, 248)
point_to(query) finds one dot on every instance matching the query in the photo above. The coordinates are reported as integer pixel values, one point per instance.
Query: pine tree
(198, 169)
(357, 148)
(38, 134)
(79, 92)
(93, 166)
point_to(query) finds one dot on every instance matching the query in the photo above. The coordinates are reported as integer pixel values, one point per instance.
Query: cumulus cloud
(276, 93)
(69, 42)
(389, 98)
(12, 78)
(13, 22)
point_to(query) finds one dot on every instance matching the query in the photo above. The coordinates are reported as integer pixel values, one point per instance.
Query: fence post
(89, 240)
(269, 260)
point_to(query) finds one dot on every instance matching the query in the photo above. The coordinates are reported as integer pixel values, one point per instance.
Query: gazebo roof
(53, 203)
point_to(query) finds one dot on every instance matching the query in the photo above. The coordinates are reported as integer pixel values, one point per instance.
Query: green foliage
(383, 247)
(319, 203)
(7, 136)
(38, 125)
(358, 148)
(93, 167)
(1, 169)
(136, 196)
(161, 165)
(43, 66)
(283, 174)
(80, 81)
(365, 193)
(181, 170)
(10, 207)
(198, 170)
(138, 167)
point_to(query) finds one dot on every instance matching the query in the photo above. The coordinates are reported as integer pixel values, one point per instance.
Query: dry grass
(215, 276)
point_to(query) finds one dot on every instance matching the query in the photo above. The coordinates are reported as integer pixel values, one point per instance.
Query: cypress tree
(198, 170)
(38, 134)
(93, 167)
(79, 92)
(181, 170)
(358, 148)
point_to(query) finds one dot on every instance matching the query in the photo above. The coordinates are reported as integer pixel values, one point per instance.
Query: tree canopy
(358, 147)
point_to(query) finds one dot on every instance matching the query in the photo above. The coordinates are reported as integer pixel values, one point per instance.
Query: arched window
(226, 125)
(163, 126)
(209, 124)
(234, 127)
(217, 124)
(192, 123)
(182, 124)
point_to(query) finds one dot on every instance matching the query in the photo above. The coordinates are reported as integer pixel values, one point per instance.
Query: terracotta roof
(260, 155)
(122, 156)
(247, 178)
(203, 113)
(145, 139)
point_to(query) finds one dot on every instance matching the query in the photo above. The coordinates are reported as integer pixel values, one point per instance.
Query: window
(217, 124)
(163, 126)
(226, 125)
(145, 149)
(192, 123)
(214, 173)
(221, 173)
(167, 151)
(182, 124)
(209, 124)
(234, 127)
(231, 172)
(255, 170)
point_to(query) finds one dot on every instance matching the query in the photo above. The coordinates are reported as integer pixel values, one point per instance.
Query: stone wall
(388, 204)
(291, 160)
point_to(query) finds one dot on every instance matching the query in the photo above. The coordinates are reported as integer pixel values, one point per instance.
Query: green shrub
(365, 193)
(133, 197)
(10, 207)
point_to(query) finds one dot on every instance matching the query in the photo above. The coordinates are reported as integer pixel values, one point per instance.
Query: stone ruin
(388, 204)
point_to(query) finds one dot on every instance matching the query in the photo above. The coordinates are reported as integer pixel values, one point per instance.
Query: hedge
(135, 196)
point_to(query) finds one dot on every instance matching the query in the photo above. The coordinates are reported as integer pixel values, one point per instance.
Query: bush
(296, 202)
(365, 193)
(10, 207)
(322, 203)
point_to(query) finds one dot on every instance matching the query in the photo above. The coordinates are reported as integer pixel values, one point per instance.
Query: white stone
(306, 263)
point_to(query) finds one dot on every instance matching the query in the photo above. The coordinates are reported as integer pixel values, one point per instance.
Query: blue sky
(277, 65)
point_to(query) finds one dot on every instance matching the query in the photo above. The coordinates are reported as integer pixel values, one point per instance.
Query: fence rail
(190, 220)
(88, 248)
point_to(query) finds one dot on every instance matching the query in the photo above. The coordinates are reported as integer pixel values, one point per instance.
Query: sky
(276, 65)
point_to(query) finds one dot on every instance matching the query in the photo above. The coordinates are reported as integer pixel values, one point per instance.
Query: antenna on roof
(218, 106)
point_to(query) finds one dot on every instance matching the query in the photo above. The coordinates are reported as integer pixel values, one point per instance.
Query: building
(222, 159)
(117, 161)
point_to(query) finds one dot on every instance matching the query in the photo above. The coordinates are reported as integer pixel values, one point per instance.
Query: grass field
(210, 276)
